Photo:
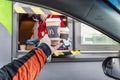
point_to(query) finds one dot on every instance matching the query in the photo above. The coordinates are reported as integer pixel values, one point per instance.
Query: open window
(28, 29)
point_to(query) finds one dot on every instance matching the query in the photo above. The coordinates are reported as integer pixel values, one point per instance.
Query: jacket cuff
(46, 49)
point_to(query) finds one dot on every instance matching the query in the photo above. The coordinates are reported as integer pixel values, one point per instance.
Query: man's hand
(47, 40)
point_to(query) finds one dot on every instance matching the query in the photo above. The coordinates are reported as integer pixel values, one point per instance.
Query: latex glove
(33, 41)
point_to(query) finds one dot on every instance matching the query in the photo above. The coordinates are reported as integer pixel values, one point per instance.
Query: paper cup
(22, 47)
(53, 28)
(53, 22)
(64, 33)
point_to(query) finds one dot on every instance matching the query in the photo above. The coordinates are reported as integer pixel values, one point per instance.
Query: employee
(29, 66)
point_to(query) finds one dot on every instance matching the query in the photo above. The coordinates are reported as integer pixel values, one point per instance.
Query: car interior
(94, 62)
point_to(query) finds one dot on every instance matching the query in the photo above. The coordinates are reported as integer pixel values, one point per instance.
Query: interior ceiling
(95, 13)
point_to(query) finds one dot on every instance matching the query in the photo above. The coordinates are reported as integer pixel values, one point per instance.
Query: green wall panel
(6, 14)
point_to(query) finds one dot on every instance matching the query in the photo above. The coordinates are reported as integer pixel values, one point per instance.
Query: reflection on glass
(92, 36)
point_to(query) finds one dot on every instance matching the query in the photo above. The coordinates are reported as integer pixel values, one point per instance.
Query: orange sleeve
(31, 68)
(27, 67)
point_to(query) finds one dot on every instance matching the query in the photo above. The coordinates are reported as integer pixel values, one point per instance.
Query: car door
(95, 13)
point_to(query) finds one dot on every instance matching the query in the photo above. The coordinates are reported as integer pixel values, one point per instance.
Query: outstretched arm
(28, 66)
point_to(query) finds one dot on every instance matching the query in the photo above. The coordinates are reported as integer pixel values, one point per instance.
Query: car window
(90, 36)
(82, 37)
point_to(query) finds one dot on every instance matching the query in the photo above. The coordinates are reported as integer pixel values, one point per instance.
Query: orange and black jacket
(28, 66)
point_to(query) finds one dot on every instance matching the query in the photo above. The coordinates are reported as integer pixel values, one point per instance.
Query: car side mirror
(111, 67)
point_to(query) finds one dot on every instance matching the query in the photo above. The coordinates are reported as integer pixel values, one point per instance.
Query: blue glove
(33, 41)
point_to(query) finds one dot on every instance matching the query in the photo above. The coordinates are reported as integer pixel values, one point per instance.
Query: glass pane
(93, 37)
(116, 3)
